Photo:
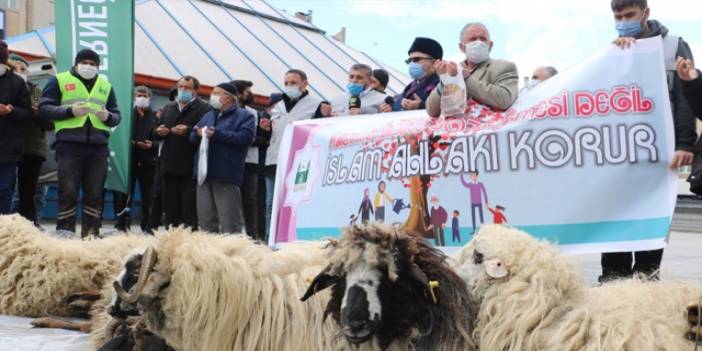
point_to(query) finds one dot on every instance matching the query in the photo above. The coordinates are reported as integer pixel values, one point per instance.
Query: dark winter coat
(422, 88)
(692, 91)
(177, 153)
(226, 153)
(13, 91)
(142, 128)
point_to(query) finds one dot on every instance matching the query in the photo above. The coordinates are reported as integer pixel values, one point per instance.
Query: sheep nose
(356, 325)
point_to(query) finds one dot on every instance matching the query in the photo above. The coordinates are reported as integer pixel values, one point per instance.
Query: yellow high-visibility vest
(73, 91)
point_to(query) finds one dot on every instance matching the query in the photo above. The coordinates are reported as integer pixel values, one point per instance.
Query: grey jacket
(493, 83)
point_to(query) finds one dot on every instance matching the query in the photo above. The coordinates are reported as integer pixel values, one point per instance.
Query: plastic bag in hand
(453, 98)
(202, 157)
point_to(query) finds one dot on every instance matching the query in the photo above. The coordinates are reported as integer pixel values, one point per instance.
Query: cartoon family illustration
(381, 200)
(438, 216)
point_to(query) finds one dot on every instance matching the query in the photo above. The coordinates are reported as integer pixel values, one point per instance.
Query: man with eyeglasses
(422, 55)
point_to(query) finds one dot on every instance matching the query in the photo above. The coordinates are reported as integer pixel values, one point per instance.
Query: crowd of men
(80, 107)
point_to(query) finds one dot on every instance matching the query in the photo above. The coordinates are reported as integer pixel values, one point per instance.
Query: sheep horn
(111, 327)
(147, 264)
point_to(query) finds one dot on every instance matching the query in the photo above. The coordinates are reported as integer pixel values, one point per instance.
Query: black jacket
(50, 109)
(422, 88)
(142, 128)
(13, 91)
(177, 153)
(683, 117)
(692, 91)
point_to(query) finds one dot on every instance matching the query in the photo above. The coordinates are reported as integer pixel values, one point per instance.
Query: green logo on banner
(106, 27)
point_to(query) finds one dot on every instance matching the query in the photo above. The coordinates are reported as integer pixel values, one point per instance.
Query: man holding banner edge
(631, 17)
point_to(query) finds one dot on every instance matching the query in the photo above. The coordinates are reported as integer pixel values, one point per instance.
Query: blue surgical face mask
(355, 89)
(416, 70)
(185, 95)
(629, 28)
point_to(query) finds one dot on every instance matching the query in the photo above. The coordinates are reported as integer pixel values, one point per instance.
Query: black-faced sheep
(115, 323)
(392, 290)
(531, 297)
(40, 274)
(213, 292)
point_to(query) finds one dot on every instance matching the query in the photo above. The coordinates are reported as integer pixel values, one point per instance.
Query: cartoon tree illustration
(418, 219)
(477, 118)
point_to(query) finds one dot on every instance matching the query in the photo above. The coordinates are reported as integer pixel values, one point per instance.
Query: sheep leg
(55, 323)
(81, 307)
(89, 295)
(79, 304)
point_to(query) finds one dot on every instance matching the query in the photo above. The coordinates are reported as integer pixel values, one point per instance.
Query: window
(9, 4)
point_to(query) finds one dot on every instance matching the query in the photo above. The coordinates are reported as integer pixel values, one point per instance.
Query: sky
(531, 33)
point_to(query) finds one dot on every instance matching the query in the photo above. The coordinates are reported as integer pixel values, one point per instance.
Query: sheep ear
(417, 275)
(322, 281)
(495, 268)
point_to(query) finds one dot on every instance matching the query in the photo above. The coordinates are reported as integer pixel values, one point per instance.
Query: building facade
(21, 16)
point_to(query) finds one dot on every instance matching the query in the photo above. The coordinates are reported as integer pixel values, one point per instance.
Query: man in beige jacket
(489, 81)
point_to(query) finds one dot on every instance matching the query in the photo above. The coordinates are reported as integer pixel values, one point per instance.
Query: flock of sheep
(376, 288)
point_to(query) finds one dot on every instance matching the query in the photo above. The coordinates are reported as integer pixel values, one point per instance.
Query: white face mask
(3, 69)
(532, 83)
(477, 51)
(216, 101)
(293, 92)
(87, 71)
(142, 102)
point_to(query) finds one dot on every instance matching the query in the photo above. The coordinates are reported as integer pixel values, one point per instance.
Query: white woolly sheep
(532, 298)
(214, 292)
(38, 272)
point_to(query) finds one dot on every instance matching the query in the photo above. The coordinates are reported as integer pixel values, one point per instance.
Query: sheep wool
(531, 297)
(228, 293)
(38, 272)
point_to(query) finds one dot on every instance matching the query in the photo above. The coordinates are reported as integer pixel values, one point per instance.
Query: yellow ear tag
(309, 280)
(433, 284)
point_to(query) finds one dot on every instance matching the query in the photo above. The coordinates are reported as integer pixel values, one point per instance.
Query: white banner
(581, 160)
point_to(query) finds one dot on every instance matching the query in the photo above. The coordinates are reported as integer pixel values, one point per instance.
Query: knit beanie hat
(87, 54)
(228, 87)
